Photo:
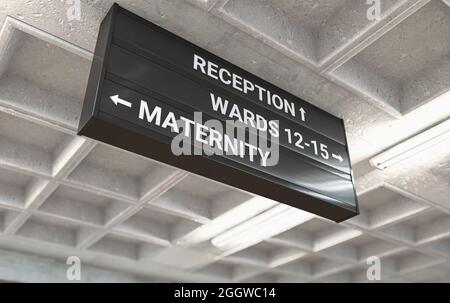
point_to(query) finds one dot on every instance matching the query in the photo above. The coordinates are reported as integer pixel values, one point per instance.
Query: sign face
(157, 95)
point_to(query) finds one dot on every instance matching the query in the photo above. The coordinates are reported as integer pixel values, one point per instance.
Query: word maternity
(244, 134)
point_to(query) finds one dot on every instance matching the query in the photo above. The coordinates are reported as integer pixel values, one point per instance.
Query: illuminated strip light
(413, 146)
(266, 225)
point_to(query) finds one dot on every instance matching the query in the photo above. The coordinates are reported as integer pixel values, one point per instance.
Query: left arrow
(117, 100)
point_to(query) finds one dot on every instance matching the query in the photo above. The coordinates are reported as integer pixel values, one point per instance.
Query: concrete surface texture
(132, 219)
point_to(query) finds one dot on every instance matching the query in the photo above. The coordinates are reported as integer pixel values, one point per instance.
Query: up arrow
(117, 100)
(338, 157)
(303, 112)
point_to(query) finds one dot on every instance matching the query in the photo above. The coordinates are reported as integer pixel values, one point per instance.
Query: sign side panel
(98, 69)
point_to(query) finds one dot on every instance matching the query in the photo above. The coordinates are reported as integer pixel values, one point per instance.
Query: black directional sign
(155, 94)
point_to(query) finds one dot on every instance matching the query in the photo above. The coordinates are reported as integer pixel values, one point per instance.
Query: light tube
(411, 147)
(268, 224)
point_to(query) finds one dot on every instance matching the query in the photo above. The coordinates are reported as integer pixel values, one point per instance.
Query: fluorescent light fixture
(272, 222)
(413, 146)
(228, 219)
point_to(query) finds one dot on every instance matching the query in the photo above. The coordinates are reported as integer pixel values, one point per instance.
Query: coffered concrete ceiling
(133, 219)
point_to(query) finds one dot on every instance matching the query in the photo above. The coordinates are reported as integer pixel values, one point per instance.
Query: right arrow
(117, 100)
(338, 157)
